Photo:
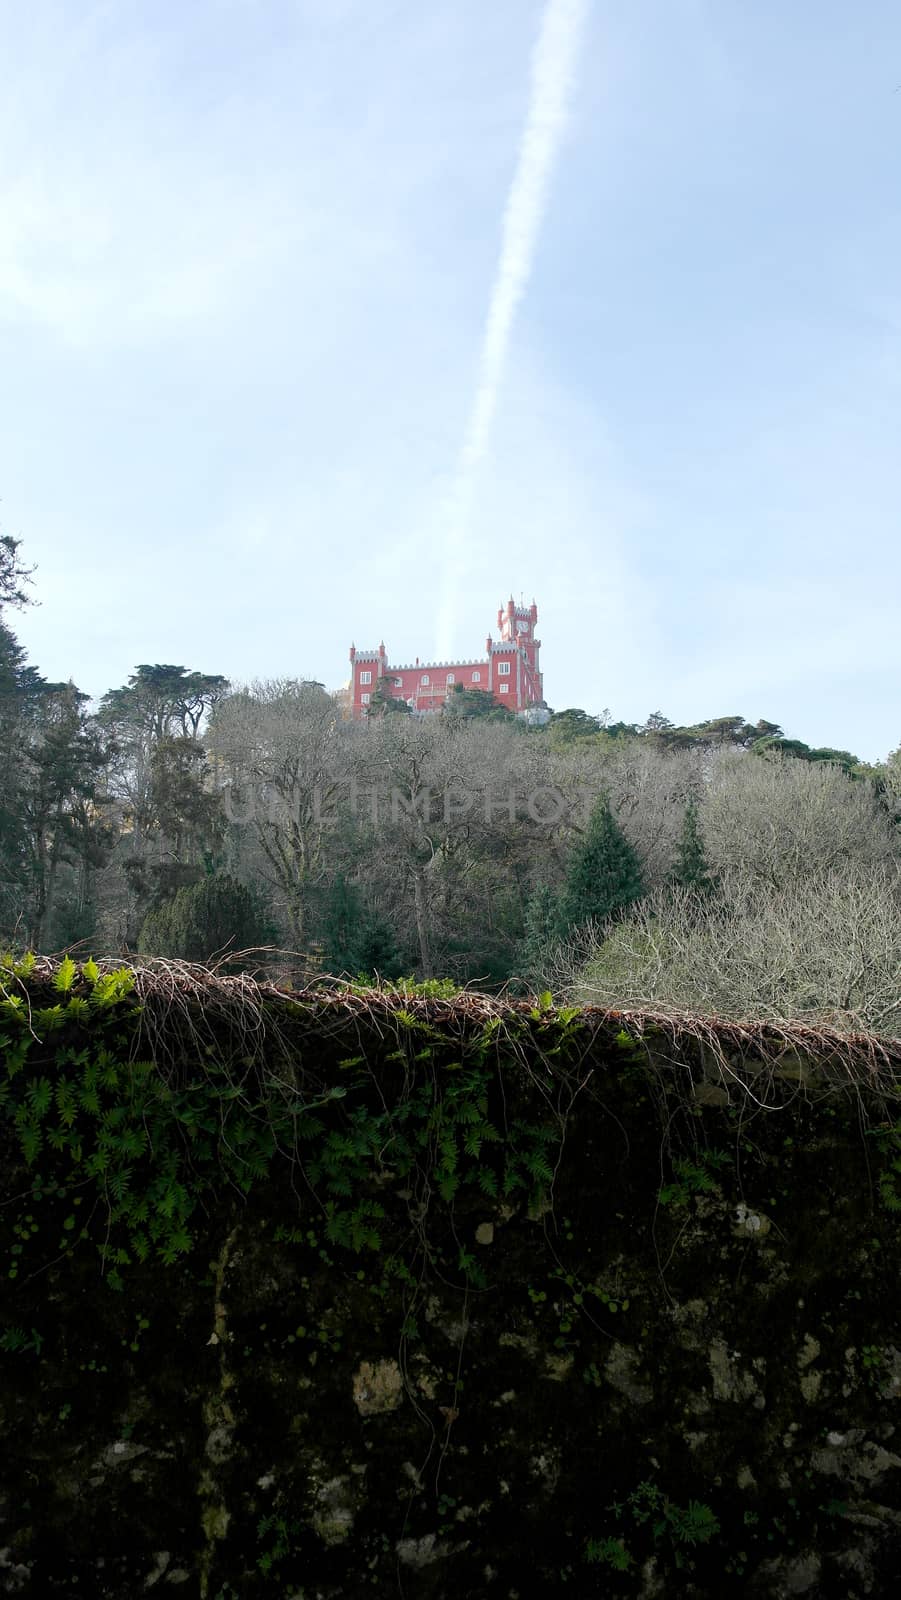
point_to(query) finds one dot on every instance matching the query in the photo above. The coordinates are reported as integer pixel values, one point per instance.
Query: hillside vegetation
(721, 868)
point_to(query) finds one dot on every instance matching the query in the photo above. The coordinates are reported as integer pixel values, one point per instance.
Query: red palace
(508, 671)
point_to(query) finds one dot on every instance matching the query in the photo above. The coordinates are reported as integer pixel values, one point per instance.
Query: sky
(333, 321)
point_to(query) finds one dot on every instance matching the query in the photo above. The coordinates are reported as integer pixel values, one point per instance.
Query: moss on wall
(339, 1295)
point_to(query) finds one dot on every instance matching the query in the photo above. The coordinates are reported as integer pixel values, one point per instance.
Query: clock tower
(517, 627)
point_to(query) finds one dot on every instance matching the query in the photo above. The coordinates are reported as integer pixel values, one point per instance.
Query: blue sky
(247, 253)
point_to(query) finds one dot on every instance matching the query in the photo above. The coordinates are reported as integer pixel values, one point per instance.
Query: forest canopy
(723, 866)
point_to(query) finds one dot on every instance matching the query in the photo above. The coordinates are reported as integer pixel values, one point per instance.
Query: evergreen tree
(13, 574)
(541, 927)
(463, 704)
(604, 873)
(572, 725)
(691, 870)
(205, 919)
(59, 763)
(385, 704)
(343, 911)
(355, 940)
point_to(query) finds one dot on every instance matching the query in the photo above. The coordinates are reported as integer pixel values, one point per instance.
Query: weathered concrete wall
(679, 1374)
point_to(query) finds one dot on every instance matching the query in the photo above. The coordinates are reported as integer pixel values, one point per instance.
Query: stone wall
(673, 1370)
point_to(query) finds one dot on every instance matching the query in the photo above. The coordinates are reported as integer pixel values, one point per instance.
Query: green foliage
(356, 941)
(715, 733)
(775, 744)
(89, 1117)
(647, 1506)
(572, 726)
(278, 1534)
(693, 1177)
(429, 988)
(463, 704)
(691, 1524)
(52, 825)
(83, 1112)
(692, 870)
(162, 701)
(385, 704)
(604, 874)
(64, 975)
(17, 1341)
(542, 926)
(179, 796)
(207, 919)
(888, 1182)
(610, 1552)
(13, 574)
(874, 1362)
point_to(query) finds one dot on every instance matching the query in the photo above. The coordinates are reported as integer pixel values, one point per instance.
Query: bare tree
(649, 790)
(781, 820)
(825, 948)
(451, 817)
(278, 752)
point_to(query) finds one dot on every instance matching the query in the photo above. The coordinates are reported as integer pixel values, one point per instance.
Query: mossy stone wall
(673, 1369)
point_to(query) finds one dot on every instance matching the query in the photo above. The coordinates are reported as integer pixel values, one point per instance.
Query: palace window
(452, 677)
(503, 668)
(477, 677)
(504, 688)
(424, 678)
(365, 698)
(365, 677)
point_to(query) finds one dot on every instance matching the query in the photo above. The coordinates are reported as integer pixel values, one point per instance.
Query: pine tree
(541, 927)
(355, 941)
(342, 915)
(604, 873)
(691, 870)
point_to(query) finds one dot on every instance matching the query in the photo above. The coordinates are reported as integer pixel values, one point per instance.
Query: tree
(825, 949)
(206, 919)
(647, 787)
(715, 733)
(50, 823)
(50, 756)
(180, 799)
(355, 939)
(383, 704)
(691, 870)
(604, 874)
(159, 786)
(542, 926)
(889, 781)
(13, 574)
(464, 703)
(164, 701)
(14, 693)
(567, 727)
(783, 820)
(280, 755)
(60, 823)
(775, 744)
(440, 841)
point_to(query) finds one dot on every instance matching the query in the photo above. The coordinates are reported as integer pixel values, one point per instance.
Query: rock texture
(668, 1380)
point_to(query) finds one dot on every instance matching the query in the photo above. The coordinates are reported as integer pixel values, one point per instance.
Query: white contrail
(553, 70)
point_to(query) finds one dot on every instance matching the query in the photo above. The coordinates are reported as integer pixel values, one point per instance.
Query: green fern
(65, 974)
(691, 1524)
(611, 1552)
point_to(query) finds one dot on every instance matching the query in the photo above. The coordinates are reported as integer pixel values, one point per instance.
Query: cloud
(552, 76)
